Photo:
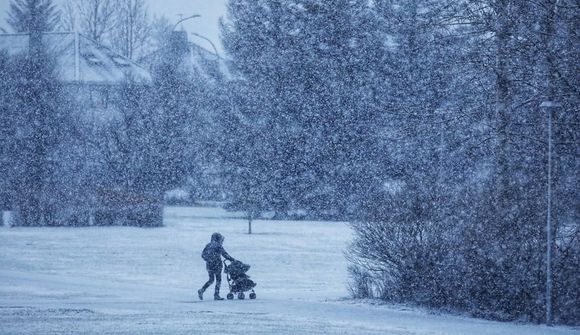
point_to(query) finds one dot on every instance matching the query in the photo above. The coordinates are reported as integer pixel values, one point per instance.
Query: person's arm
(226, 255)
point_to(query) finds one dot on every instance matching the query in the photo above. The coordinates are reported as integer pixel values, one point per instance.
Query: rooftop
(80, 59)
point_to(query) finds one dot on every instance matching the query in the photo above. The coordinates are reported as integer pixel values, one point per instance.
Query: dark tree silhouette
(25, 16)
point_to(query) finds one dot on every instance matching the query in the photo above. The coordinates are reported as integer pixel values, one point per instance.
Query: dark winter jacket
(213, 251)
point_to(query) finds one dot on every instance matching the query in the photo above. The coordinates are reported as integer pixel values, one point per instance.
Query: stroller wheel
(230, 296)
(241, 296)
(252, 295)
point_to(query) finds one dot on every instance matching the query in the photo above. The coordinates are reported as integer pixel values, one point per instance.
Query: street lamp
(210, 42)
(185, 19)
(549, 107)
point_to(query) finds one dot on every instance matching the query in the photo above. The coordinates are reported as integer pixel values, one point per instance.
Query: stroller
(238, 280)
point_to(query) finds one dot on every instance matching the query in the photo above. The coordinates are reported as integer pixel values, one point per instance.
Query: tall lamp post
(184, 19)
(549, 107)
(210, 42)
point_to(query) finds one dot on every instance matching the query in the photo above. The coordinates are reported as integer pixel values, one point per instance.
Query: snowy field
(143, 281)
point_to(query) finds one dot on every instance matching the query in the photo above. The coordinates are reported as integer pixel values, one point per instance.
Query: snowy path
(142, 281)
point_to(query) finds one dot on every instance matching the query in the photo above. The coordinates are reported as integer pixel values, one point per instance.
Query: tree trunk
(503, 99)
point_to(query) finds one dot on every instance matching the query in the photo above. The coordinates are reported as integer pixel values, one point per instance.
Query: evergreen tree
(308, 69)
(39, 115)
(146, 147)
(8, 134)
(33, 15)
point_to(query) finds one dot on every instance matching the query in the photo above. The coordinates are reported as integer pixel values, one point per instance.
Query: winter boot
(200, 294)
(217, 297)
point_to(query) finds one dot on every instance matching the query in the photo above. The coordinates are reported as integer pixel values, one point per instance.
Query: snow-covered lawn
(142, 281)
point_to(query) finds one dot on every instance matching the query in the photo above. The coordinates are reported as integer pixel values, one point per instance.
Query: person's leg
(218, 283)
(209, 282)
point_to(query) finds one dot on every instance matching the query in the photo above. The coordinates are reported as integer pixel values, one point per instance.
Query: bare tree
(132, 28)
(94, 18)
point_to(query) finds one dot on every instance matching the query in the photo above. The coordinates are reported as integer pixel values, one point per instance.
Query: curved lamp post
(210, 42)
(184, 19)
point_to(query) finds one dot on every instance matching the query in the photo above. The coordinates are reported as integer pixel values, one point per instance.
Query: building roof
(80, 59)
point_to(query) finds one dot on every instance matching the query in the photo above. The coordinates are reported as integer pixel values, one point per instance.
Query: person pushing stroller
(211, 254)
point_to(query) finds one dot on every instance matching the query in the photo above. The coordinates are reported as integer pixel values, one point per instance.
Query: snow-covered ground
(124, 280)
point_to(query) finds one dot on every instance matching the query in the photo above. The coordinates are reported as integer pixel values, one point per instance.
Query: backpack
(205, 253)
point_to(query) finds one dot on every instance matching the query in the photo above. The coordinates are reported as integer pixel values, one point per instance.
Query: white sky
(207, 25)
